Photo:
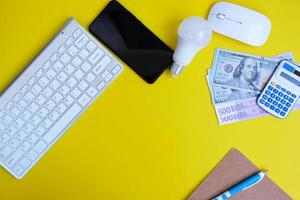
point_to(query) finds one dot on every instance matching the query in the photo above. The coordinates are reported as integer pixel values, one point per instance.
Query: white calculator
(282, 91)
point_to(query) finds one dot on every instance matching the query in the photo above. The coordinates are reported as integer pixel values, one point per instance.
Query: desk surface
(155, 141)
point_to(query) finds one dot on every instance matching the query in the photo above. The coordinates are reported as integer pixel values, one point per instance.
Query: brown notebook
(234, 168)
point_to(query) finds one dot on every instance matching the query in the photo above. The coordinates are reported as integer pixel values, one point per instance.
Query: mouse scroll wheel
(221, 16)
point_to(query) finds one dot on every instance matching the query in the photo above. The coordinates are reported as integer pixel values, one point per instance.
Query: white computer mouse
(240, 23)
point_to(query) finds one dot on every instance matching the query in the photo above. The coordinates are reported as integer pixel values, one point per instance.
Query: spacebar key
(62, 123)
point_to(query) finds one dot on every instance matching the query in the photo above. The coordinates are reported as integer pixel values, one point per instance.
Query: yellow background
(140, 141)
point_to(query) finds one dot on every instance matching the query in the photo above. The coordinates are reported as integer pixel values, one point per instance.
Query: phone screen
(132, 41)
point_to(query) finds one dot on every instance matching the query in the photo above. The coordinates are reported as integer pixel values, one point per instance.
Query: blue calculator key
(268, 92)
(288, 104)
(283, 89)
(277, 110)
(275, 103)
(278, 98)
(278, 86)
(270, 100)
(262, 101)
(286, 97)
(283, 101)
(280, 106)
(270, 87)
(275, 91)
(264, 96)
(285, 109)
(282, 114)
(293, 95)
(267, 104)
(288, 92)
(291, 100)
(273, 95)
(280, 94)
(272, 107)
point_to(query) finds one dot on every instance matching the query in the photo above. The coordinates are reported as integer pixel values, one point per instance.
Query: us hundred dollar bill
(241, 70)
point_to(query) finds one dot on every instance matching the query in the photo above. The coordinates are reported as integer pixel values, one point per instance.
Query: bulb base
(176, 69)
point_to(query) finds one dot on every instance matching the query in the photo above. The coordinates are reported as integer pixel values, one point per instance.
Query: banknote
(236, 111)
(241, 70)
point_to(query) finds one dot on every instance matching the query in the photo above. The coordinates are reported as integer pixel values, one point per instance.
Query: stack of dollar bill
(236, 80)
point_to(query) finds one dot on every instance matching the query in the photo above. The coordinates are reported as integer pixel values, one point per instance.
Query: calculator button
(275, 103)
(267, 104)
(264, 96)
(293, 95)
(277, 110)
(285, 109)
(270, 87)
(280, 94)
(280, 106)
(283, 101)
(291, 100)
(272, 107)
(282, 113)
(286, 97)
(275, 91)
(288, 104)
(288, 92)
(278, 98)
(268, 92)
(278, 86)
(283, 89)
(262, 101)
(272, 95)
(270, 100)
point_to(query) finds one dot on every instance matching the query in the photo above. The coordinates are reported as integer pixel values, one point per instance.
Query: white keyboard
(54, 90)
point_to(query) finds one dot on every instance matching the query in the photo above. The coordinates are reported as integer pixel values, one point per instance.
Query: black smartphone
(132, 41)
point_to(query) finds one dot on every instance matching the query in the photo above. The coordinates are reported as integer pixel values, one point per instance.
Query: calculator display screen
(289, 78)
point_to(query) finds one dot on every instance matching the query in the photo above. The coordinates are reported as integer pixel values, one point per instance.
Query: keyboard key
(14, 143)
(64, 90)
(25, 163)
(280, 94)
(277, 110)
(288, 105)
(104, 74)
(116, 69)
(278, 98)
(283, 89)
(33, 138)
(280, 106)
(47, 65)
(54, 57)
(54, 116)
(270, 87)
(81, 41)
(77, 33)
(21, 135)
(288, 92)
(35, 120)
(40, 147)
(11, 130)
(270, 100)
(4, 153)
(33, 107)
(2, 127)
(54, 85)
(62, 123)
(294, 96)
(86, 67)
(65, 58)
(31, 81)
(2, 113)
(90, 77)
(267, 104)
(262, 101)
(14, 112)
(104, 62)
(268, 92)
(92, 91)
(36, 89)
(32, 155)
(291, 100)
(14, 158)
(28, 128)
(48, 92)
(101, 85)
(83, 54)
(62, 77)
(50, 105)
(83, 85)
(283, 101)
(95, 57)
(43, 112)
(68, 100)
(84, 100)
(78, 74)
(278, 86)
(286, 97)
(69, 41)
(272, 107)
(71, 82)
(26, 146)
(61, 108)
(76, 93)
(50, 73)
(21, 105)
(275, 91)
(57, 97)
(91, 46)
(17, 97)
(7, 120)
(108, 77)
(69, 69)
(18, 170)
(282, 113)
(43, 81)
(40, 131)
(40, 100)
(72, 50)
(26, 115)
(4, 138)
(275, 103)
(29, 97)
(47, 123)
(285, 109)
(272, 95)
(62, 49)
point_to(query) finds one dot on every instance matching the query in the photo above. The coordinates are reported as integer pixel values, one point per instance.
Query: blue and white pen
(244, 185)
